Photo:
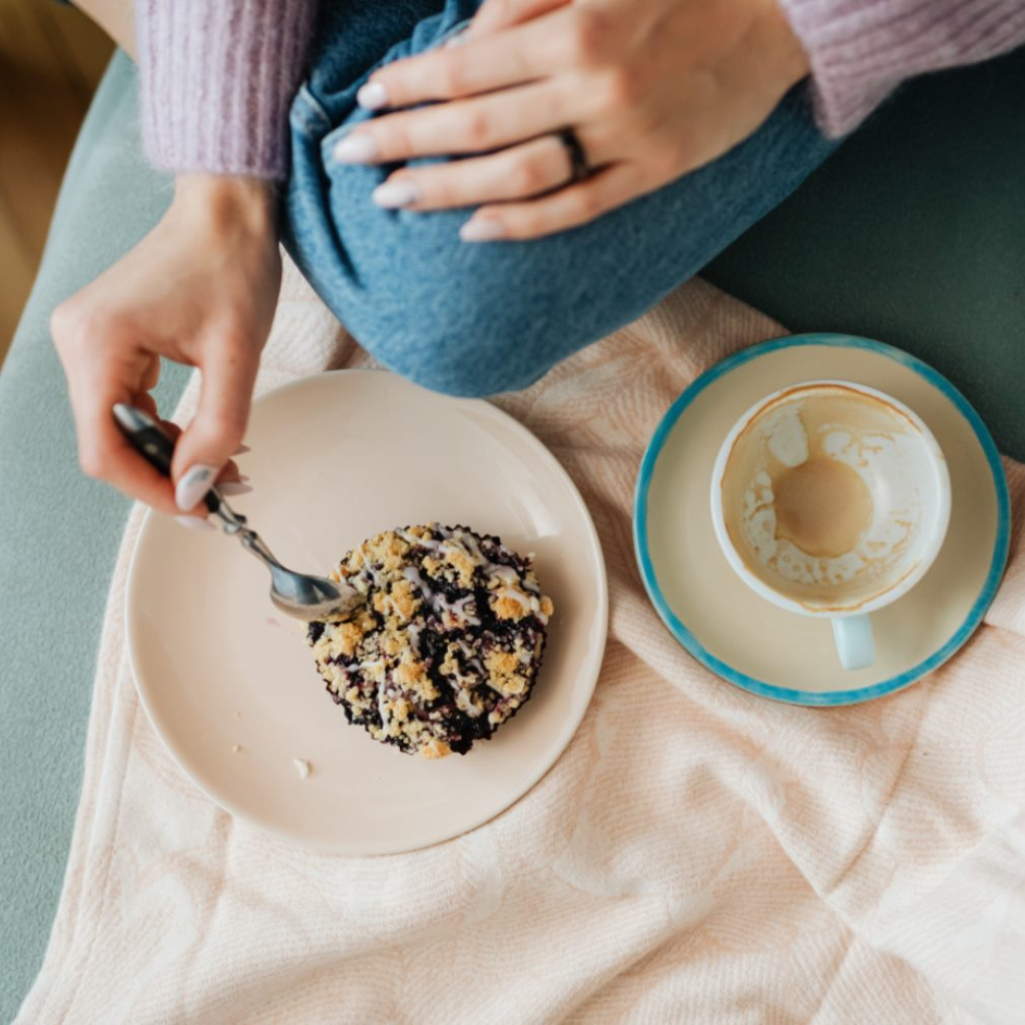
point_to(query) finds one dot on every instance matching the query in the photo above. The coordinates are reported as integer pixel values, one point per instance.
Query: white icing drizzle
(460, 542)
(412, 574)
(471, 659)
(376, 578)
(465, 702)
(373, 669)
(526, 603)
(460, 614)
(469, 545)
(452, 614)
(448, 548)
(413, 631)
(423, 542)
(506, 574)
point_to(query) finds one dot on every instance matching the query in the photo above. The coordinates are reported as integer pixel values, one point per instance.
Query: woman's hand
(652, 88)
(200, 289)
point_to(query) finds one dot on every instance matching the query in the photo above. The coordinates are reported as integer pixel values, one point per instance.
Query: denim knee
(442, 363)
(466, 324)
(457, 359)
(478, 319)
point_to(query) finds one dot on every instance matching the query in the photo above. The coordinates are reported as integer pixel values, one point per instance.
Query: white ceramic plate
(337, 458)
(752, 643)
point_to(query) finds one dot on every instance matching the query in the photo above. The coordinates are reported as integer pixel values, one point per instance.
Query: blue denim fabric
(483, 318)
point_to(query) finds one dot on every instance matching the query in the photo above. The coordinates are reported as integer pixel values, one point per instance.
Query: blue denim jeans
(482, 318)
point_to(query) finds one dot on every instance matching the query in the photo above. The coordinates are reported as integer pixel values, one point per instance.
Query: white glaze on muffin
(448, 646)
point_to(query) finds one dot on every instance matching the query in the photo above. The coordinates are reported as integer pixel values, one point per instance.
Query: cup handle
(854, 642)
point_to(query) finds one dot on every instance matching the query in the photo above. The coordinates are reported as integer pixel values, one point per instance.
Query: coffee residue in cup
(800, 498)
(823, 507)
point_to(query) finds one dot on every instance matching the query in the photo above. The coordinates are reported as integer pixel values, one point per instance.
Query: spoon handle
(154, 444)
(305, 597)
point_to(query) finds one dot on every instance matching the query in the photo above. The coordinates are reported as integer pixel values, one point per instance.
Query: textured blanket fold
(696, 855)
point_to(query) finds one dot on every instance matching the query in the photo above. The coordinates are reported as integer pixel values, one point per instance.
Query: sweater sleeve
(218, 77)
(860, 50)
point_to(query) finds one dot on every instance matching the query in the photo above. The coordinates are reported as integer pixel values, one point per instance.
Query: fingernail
(241, 450)
(482, 229)
(458, 39)
(234, 488)
(358, 148)
(194, 484)
(395, 194)
(372, 96)
(195, 523)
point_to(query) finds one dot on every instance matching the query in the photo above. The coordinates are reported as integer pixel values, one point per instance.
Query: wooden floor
(51, 59)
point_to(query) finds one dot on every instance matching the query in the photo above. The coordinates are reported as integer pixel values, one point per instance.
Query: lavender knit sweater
(218, 75)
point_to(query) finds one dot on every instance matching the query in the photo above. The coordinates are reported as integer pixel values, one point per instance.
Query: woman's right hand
(200, 289)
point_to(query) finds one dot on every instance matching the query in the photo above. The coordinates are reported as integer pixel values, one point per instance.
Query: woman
(476, 189)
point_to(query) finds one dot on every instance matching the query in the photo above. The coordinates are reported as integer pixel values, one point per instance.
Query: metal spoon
(296, 594)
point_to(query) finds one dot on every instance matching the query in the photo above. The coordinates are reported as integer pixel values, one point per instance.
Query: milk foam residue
(878, 459)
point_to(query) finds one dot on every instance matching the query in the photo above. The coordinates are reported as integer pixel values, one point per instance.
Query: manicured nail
(395, 194)
(194, 484)
(373, 96)
(234, 488)
(195, 523)
(482, 229)
(358, 148)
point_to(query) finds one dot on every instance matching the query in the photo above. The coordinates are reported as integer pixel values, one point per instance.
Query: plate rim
(686, 638)
(571, 724)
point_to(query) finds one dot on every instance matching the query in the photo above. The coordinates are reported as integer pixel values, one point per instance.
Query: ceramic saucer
(743, 638)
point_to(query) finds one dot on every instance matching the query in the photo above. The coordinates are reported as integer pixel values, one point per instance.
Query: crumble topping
(448, 645)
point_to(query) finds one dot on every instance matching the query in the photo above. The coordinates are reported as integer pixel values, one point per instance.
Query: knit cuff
(218, 78)
(861, 50)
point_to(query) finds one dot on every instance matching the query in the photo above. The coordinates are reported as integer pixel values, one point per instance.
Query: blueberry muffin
(447, 647)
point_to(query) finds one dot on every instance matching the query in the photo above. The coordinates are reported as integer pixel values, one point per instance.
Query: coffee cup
(831, 499)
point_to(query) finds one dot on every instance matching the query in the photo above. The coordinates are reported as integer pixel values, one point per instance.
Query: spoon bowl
(299, 595)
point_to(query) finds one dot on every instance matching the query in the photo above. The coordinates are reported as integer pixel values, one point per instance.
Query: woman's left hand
(652, 89)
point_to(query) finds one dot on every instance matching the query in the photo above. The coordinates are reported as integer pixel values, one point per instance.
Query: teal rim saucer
(828, 698)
